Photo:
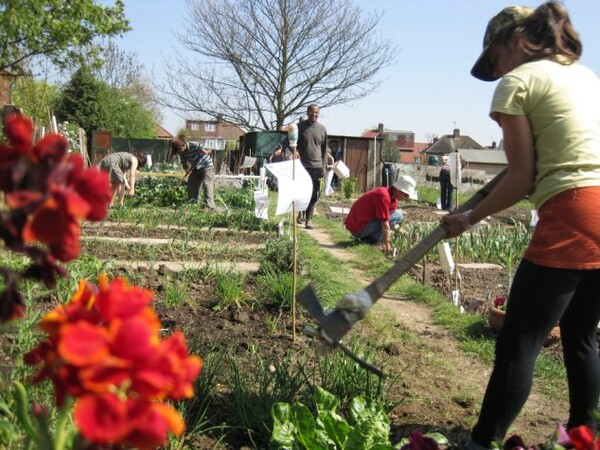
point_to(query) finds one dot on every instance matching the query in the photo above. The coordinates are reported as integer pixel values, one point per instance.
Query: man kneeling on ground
(373, 215)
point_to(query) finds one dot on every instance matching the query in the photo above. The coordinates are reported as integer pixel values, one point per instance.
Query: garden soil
(432, 384)
(436, 385)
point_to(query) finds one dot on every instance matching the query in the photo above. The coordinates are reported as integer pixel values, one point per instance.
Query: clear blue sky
(428, 91)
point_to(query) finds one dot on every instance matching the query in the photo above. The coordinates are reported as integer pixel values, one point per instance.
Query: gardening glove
(355, 306)
(463, 218)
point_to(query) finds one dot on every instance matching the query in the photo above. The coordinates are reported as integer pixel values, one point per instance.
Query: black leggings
(539, 298)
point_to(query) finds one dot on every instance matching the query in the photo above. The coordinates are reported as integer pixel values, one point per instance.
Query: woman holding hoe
(548, 106)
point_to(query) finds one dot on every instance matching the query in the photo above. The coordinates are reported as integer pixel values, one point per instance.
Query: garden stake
(293, 140)
(334, 326)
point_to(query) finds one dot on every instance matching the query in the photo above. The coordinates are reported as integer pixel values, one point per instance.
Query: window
(194, 126)
(209, 127)
(393, 137)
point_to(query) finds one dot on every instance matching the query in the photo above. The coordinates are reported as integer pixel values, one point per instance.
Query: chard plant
(366, 426)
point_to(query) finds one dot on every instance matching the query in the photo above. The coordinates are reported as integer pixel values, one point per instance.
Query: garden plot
(240, 322)
(126, 245)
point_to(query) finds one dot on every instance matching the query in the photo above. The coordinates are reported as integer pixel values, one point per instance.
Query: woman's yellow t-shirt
(562, 103)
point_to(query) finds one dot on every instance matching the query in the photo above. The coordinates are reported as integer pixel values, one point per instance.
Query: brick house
(162, 133)
(217, 134)
(404, 140)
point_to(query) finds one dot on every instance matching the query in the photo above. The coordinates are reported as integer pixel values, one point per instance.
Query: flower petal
(102, 419)
(19, 131)
(82, 343)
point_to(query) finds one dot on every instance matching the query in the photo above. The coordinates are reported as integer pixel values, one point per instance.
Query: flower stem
(21, 401)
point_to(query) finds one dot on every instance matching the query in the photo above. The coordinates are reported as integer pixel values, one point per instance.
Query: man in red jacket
(373, 216)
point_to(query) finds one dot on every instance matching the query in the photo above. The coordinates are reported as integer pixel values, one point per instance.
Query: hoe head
(333, 326)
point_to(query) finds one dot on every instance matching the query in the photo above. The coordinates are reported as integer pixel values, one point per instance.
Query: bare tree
(257, 63)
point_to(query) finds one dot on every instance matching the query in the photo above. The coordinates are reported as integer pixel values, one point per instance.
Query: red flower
(52, 146)
(55, 217)
(104, 348)
(19, 131)
(94, 186)
(500, 302)
(417, 441)
(54, 221)
(582, 438)
(107, 419)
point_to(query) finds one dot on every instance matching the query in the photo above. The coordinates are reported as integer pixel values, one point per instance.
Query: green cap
(506, 19)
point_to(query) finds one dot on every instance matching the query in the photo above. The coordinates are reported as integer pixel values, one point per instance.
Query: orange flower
(104, 348)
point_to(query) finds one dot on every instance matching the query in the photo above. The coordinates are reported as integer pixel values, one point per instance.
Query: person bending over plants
(116, 164)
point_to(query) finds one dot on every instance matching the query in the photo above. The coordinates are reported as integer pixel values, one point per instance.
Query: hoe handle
(383, 283)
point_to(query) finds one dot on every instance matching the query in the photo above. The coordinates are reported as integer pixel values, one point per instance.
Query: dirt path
(445, 384)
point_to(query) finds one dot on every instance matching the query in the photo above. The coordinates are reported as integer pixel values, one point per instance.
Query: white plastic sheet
(293, 184)
(455, 169)
(261, 204)
(248, 163)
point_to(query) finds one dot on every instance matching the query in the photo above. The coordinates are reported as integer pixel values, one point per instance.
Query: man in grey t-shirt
(312, 147)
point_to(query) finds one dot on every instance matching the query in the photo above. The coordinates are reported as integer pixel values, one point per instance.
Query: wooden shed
(362, 155)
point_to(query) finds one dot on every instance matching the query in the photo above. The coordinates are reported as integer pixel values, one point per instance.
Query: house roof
(162, 133)
(450, 142)
(370, 133)
(483, 156)
(375, 133)
(419, 146)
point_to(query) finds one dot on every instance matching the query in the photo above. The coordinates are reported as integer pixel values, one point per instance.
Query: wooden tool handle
(400, 267)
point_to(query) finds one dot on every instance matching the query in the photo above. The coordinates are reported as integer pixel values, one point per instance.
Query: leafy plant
(175, 294)
(348, 187)
(294, 426)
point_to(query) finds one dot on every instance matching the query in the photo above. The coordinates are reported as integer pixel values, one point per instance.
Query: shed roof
(483, 156)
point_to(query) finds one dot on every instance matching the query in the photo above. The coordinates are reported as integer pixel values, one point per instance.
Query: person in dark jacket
(198, 164)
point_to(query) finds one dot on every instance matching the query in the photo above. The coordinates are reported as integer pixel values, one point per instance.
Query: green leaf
(362, 408)
(335, 426)
(371, 424)
(306, 425)
(438, 437)
(325, 400)
(284, 429)
(369, 434)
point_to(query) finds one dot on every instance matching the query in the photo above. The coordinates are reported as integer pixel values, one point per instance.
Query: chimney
(456, 133)
(493, 144)
(380, 128)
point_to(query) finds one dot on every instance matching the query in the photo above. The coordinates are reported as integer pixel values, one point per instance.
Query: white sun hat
(406, 184)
